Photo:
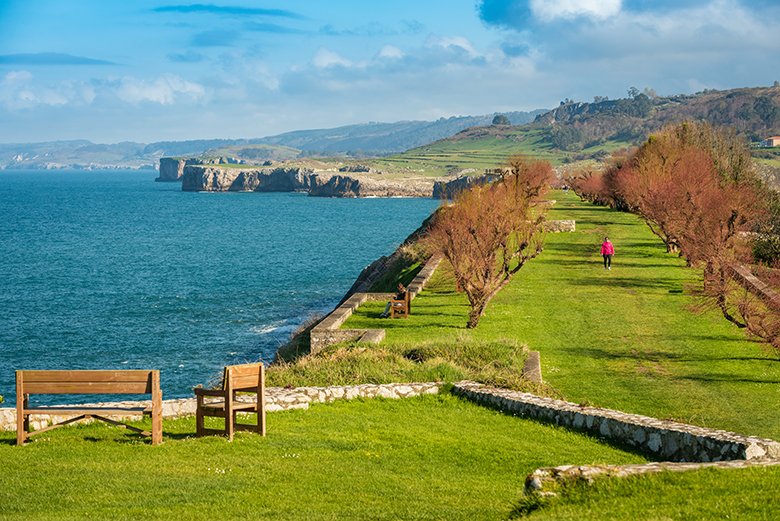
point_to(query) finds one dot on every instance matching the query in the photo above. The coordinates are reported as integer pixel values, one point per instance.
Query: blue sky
(149, 70)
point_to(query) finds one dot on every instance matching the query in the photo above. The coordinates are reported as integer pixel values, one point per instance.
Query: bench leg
(156, 409)
(199, 423)
(261, 403)
(22, 419)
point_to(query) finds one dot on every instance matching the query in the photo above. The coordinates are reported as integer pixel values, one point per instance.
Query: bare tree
(490, 231)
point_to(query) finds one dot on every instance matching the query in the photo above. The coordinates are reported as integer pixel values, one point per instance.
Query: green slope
(624, 339)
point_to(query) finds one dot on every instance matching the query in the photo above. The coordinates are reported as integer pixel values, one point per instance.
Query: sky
(152, 70)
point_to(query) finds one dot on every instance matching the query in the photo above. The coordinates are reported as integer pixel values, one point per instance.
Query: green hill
(591, 131)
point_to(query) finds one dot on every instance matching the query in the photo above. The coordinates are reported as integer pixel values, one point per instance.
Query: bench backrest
(246, 377)
(87, 382)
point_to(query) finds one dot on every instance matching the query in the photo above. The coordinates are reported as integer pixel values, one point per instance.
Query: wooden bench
(87, 382)
(401, 307)
(246, 378)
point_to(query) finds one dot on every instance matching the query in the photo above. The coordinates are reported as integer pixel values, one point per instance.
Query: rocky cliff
(212, 178)
(172, 168)
(450, 189)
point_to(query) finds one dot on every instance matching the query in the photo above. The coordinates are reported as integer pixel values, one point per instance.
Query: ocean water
(108, 269)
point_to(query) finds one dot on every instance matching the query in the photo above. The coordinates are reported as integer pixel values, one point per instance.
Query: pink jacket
(607, 248)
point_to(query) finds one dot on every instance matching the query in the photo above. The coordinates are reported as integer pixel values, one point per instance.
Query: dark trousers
(607, 261)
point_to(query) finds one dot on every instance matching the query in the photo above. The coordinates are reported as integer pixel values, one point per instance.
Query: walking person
(607, 251)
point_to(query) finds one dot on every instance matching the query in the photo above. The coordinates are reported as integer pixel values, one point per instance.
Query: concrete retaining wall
(666, 440)
(327, 332)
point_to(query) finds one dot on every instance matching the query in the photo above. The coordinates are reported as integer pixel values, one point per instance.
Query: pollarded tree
(490, 231)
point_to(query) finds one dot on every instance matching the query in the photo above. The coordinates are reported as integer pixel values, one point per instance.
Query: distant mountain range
(368, 139)
(577, 129)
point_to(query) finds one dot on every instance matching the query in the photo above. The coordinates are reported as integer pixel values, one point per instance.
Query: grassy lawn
(704, 494)
(625, 339)
(432, 457)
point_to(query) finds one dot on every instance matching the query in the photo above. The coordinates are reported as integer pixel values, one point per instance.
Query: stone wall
(327, 332)
(549, 481)
(563, 225)
(666, 440)
(753, 284)
(277, 399)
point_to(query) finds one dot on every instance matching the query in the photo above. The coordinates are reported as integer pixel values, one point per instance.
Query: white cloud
(453, 43)
(164, 90)
(390, 52)
(326, 58)
(18, 90)
(549, 10)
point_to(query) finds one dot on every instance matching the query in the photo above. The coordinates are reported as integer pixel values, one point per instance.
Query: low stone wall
(756, 286)
(549, 481)
(532, 368)
(277, 399)
(668, 440)
(327, 332)
(563, 225)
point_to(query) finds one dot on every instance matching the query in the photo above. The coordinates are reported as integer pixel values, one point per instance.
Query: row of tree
(490, 231)
(696, 188)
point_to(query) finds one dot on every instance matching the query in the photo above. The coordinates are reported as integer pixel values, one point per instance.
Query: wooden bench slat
(237, 406)
(57, 411)
(86, 375)
(87, 387)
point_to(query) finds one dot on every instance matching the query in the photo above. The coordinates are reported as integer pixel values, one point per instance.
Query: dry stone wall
(549, 481)
(277, 399)
(667, 440)
(562, 225)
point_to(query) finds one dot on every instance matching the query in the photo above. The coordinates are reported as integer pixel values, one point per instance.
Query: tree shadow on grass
(629, 282)
(616, 263)
(725, 378)
(657, 356)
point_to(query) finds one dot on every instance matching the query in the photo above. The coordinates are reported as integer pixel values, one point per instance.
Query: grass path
(625, 339)
(432, 457)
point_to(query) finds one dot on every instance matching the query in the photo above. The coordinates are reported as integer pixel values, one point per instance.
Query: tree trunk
(475, 314)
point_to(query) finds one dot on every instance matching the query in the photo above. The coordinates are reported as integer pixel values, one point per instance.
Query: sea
(110, 270)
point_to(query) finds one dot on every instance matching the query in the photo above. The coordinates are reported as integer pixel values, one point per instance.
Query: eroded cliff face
(450, 189)
(211, 178)
(171, 169)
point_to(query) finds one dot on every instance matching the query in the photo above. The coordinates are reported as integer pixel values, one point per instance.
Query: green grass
(433, 457)
(485, 151)
(497, 363)
(625, 339)
(745, 494)
(441, 157)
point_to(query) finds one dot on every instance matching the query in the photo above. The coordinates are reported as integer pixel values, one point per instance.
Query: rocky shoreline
(231, 175)
(220, 178)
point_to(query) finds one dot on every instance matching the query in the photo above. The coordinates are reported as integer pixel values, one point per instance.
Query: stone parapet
(277, 399)
(549, 481)
(756, 286)
(663, 439)
(327, 332)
